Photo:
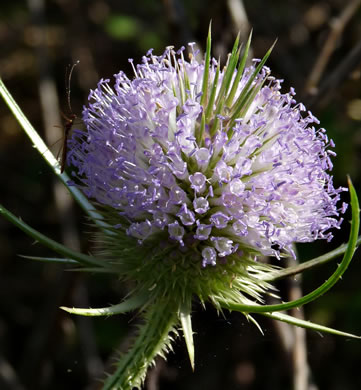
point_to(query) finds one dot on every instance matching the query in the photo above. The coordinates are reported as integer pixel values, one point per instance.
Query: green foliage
(122, 27)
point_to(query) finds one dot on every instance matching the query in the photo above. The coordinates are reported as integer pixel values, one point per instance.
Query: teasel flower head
(200, 172)
(192, 175)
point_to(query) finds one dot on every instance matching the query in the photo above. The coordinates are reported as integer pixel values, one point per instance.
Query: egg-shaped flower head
(200, 171)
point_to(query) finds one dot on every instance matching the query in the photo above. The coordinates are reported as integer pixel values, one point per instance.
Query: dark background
(42, 347)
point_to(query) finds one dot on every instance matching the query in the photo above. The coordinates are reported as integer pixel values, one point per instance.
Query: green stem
(48, 156)
(153, 339)
(309, 264)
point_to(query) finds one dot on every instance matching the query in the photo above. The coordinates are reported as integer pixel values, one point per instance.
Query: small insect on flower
(69, 119)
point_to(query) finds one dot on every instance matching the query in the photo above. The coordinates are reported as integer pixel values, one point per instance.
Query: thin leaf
(237, 107)
(51, 244)
(94, 270)
(212, 97)
(317, 261)
(200, 131)
(186, 321)
(57, 260)
(249, 98)
(226, 81)
(239, 72)
(307, 324)
(130, 304)
(351, 247)
(229, 72)
(50, 259)
(207, 61)
(180, 85)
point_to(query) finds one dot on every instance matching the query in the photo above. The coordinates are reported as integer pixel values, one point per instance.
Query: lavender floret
(253, 184)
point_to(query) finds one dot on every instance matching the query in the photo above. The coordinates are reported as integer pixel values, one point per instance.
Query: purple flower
(218, 170)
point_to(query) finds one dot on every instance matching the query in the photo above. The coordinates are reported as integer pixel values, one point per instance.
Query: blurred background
(41, 347)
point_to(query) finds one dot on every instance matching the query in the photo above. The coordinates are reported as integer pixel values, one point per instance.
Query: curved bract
(330, 282)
